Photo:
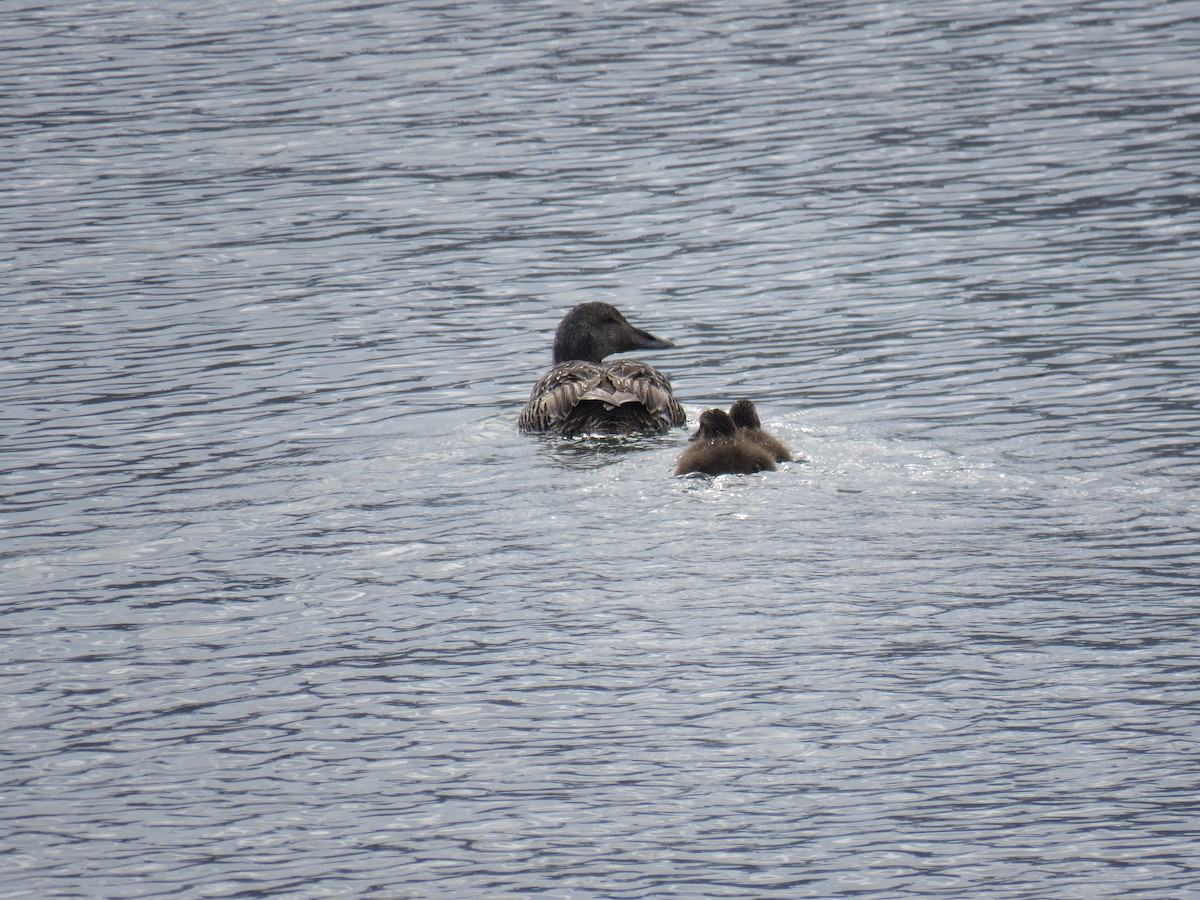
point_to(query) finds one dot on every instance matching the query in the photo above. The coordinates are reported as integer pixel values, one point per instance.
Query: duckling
(745, 417)
(718, 449)
(583, 395)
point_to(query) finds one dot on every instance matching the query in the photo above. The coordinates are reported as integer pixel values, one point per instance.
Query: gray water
(291, 609)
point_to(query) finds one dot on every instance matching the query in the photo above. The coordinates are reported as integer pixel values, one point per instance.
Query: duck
(720, 449)
(745, 419)
(582, 394)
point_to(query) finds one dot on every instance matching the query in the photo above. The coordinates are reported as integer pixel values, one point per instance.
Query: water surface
(291, 609)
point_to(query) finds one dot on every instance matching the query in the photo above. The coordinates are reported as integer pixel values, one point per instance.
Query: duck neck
(570, 346)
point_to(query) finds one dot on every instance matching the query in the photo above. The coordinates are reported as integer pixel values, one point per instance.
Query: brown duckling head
(745, 414)
(715, 424)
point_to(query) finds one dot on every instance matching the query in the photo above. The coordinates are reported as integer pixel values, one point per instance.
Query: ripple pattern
(290, 609)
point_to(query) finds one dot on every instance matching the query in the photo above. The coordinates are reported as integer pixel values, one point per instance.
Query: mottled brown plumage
(745, 419)
(718, 448)
(581, 394)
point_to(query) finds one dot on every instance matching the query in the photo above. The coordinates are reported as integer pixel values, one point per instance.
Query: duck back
(625, 396)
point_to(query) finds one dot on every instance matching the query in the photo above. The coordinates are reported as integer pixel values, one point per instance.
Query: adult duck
(720, 449)
(745, 419)
(582, 394)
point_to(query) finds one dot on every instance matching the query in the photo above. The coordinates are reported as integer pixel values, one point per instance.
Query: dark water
(290, 609)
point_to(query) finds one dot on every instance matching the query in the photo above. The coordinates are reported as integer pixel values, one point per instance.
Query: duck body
(719, 448)
(746, 421)
(582, 394)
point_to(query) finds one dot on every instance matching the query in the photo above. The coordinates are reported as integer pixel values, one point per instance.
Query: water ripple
(292, 609)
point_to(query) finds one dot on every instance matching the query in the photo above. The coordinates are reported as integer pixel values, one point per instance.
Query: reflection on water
(591, 452)
(292, 608)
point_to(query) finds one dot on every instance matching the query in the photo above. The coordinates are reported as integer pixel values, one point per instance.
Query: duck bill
(644, 340)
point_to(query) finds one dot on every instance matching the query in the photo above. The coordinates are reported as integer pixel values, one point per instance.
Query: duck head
(744, 414)
(715, 424)
(741, 415)
(591, 331)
